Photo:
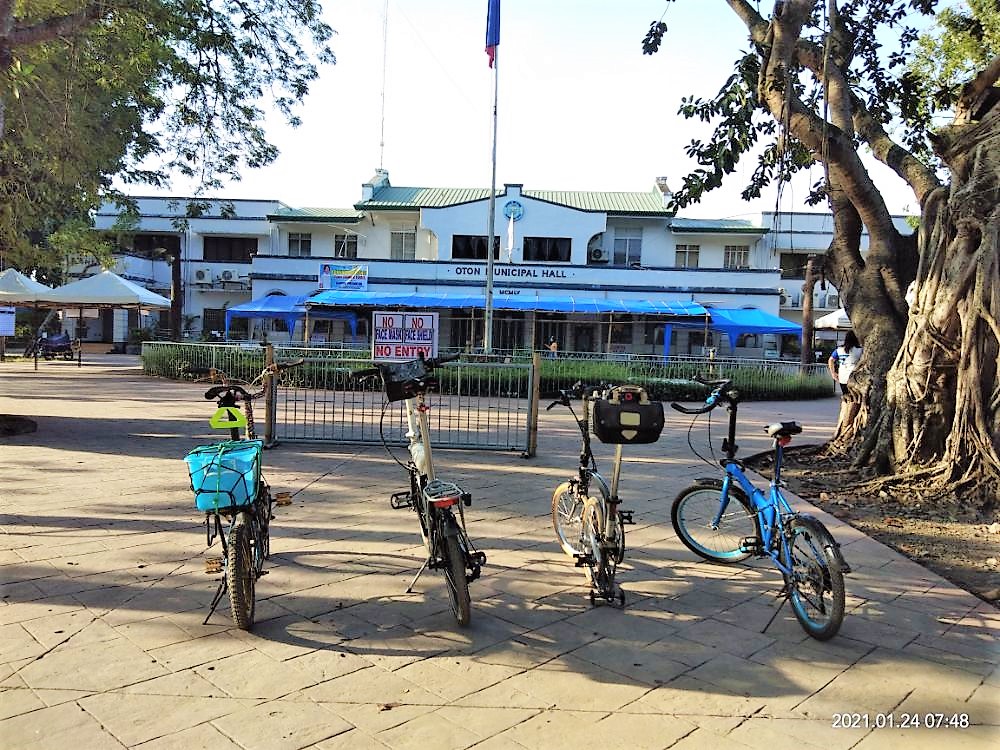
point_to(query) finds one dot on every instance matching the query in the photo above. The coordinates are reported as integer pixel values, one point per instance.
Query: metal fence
(479, 404)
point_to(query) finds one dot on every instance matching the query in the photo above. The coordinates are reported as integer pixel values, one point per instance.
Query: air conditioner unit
(228, 275)
(833, 299)
(203, 275)
(783, 296)
(599, 255)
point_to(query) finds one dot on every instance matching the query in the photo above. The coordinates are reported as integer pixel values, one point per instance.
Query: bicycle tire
(816, 585)
(567, 518)
(240, 571)
(458, 584)
(691, 515)
(597, 561)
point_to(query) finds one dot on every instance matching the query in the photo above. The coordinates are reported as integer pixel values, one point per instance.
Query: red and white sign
(399, 336)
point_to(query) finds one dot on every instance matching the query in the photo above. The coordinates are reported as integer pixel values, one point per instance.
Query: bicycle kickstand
(409, 589)
(784, 594)
(219, 593)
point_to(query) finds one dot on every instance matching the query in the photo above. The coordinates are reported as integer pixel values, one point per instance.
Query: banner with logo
(341, 276)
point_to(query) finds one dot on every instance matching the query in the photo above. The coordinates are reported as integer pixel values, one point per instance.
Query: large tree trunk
(944, 387)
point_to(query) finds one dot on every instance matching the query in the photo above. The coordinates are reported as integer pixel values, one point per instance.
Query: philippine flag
(492, 29)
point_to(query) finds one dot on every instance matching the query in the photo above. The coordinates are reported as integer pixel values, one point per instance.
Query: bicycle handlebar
(430, 364)
(720, 392)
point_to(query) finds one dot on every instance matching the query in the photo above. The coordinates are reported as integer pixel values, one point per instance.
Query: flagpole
(488, 318)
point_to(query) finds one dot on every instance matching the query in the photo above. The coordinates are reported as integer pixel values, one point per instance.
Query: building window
(345, 246)
(547, 249)
(686, 256)
(793, 265)
(231, 249)
(473, 247)
(628, 246)
(299, 245)
(736, 256)
(152, 245)
(403, 245)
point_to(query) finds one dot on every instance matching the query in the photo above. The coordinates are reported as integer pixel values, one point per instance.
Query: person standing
(553, 346)
(844, 359)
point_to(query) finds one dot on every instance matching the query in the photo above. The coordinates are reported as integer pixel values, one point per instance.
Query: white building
(548, 244)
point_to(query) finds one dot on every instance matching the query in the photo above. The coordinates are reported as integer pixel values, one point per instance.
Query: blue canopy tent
(288, 309)
(738, 322)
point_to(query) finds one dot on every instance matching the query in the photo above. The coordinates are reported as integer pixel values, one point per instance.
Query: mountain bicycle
(591, 527)
(227, 483)
(434, 500)
(729, 520)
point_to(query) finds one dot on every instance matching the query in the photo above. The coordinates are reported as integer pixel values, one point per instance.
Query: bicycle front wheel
(816, 583)
(240, 573)
(458, 584)
(567, 518)
(693, 516)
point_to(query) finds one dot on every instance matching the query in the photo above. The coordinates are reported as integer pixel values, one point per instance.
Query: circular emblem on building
(513, 210)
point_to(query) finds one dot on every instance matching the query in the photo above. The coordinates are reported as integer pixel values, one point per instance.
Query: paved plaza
(104, 593)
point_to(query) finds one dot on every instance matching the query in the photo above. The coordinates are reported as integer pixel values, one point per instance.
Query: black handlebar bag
(627, 416)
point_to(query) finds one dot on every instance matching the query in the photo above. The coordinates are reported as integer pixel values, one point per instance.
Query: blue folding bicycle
(727, 520)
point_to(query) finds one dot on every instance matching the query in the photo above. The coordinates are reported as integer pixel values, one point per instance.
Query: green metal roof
(334, 215)
(715, 226)
(415, 198)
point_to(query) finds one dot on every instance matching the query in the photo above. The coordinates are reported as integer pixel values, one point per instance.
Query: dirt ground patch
(959, 543)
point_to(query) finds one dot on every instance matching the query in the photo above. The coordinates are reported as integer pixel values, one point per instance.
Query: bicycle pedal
(399, 500)
(626, 516)
(752, 545)
(213, 565)
(583, 561)
(282, 499)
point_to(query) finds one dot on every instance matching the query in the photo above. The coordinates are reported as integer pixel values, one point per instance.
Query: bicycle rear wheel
(816, 584)
(241, 575)
(458, 584)
(567, 517)
(694, 511)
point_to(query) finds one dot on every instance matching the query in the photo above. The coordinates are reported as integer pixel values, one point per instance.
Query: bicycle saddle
(783, 429)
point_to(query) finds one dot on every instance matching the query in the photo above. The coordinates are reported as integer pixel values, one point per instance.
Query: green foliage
(139, 90)
(963, 41)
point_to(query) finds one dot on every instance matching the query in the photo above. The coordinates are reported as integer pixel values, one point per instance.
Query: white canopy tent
(106, 289)
(18, 289)
(835, 321)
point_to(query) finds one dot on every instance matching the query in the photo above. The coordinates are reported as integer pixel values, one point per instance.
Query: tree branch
(56, 26)
(973, 92)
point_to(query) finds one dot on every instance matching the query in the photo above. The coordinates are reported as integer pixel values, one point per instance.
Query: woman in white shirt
(844, 359)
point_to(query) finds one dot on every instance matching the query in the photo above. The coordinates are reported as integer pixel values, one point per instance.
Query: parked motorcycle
(54, 346)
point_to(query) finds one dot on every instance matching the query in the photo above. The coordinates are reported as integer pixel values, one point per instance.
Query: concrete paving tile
(77, 627)
(134, 718)
(730, 638)
(392, 648)
(191, 653)
(56, 728)
(30, 610)
(974, 738)
(353, 739)
(281, 725)
(429, 730)
(689, 698)
(17, 643)
(558, 683)
(327, 664)
(373, 685)
(766, 733)
(552, 728)
(186, 683)
(201, 737)
(16, 701)
(154, 633)
(253, 675)
(636, 661)
(486, 722)
(372, 718)
(452, 678)
(100, 665)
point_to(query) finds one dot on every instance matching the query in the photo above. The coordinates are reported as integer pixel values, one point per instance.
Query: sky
(579, 106)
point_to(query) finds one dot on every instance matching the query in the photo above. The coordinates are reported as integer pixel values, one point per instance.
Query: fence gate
(479, 405)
